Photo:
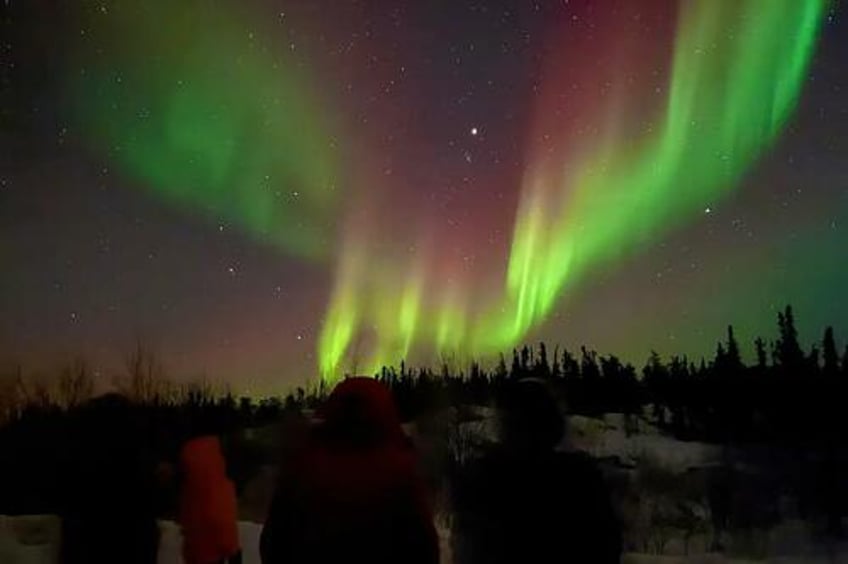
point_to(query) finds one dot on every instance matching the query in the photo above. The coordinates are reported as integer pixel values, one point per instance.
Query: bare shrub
(11, 401)
(145, 380)
(75, 384)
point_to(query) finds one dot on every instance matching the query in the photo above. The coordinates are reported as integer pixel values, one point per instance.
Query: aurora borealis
(244, 141)
(282, 194)
(734, 79)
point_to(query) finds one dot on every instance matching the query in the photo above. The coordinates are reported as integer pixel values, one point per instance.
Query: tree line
(788, 394)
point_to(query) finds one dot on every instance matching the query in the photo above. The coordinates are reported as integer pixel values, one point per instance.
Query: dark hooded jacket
(526, 502)
(109, 509)
(352, 493)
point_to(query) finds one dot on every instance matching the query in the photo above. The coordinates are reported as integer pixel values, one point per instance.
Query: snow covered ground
(35, 540)
(607, 436)
(170, 542)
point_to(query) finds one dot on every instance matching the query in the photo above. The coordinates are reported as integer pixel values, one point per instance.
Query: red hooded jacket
(353, 493)
(207, 505)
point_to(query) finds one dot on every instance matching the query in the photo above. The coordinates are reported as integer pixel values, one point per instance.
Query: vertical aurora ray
(210, 117)
(736, 72)
(736, 75)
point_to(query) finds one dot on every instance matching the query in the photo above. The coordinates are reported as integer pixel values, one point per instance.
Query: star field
(415, 125)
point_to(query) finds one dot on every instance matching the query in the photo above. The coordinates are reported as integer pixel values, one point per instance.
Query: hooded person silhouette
(526, 502)
(109, 508)
(352, 492)
(207, 504)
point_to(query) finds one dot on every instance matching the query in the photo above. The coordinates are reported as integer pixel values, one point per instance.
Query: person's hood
(530, 416)
(361, 409)
(208, 508)
(202, 457)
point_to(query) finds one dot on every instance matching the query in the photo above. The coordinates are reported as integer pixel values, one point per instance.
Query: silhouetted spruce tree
(589, 365)
(610, 369)
(729, 392)
(477, 384)
(632, 390)
(556, 372)
(655, 378)
(720, 360)
(526, 358)
(516, 371)
(500, 370)
(678, 369)
(760, 347)
(812, 360)
(542, 369)
(590, 387)
(290, 403)
(788, 352)
(618, 383)
(676, 393)
(245, 407)
(571, 368)
(734, 360)
(702, 367)
(845, 361)
(830, 356)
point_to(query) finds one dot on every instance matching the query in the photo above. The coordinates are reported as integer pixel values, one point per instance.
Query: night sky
(261, 190)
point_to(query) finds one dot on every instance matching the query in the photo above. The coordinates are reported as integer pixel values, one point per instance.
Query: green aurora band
(195, 106)
(737, 71)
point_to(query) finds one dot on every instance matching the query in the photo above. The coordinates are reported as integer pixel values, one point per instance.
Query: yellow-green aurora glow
(244, 139)
(246, 143)
(736, 72)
